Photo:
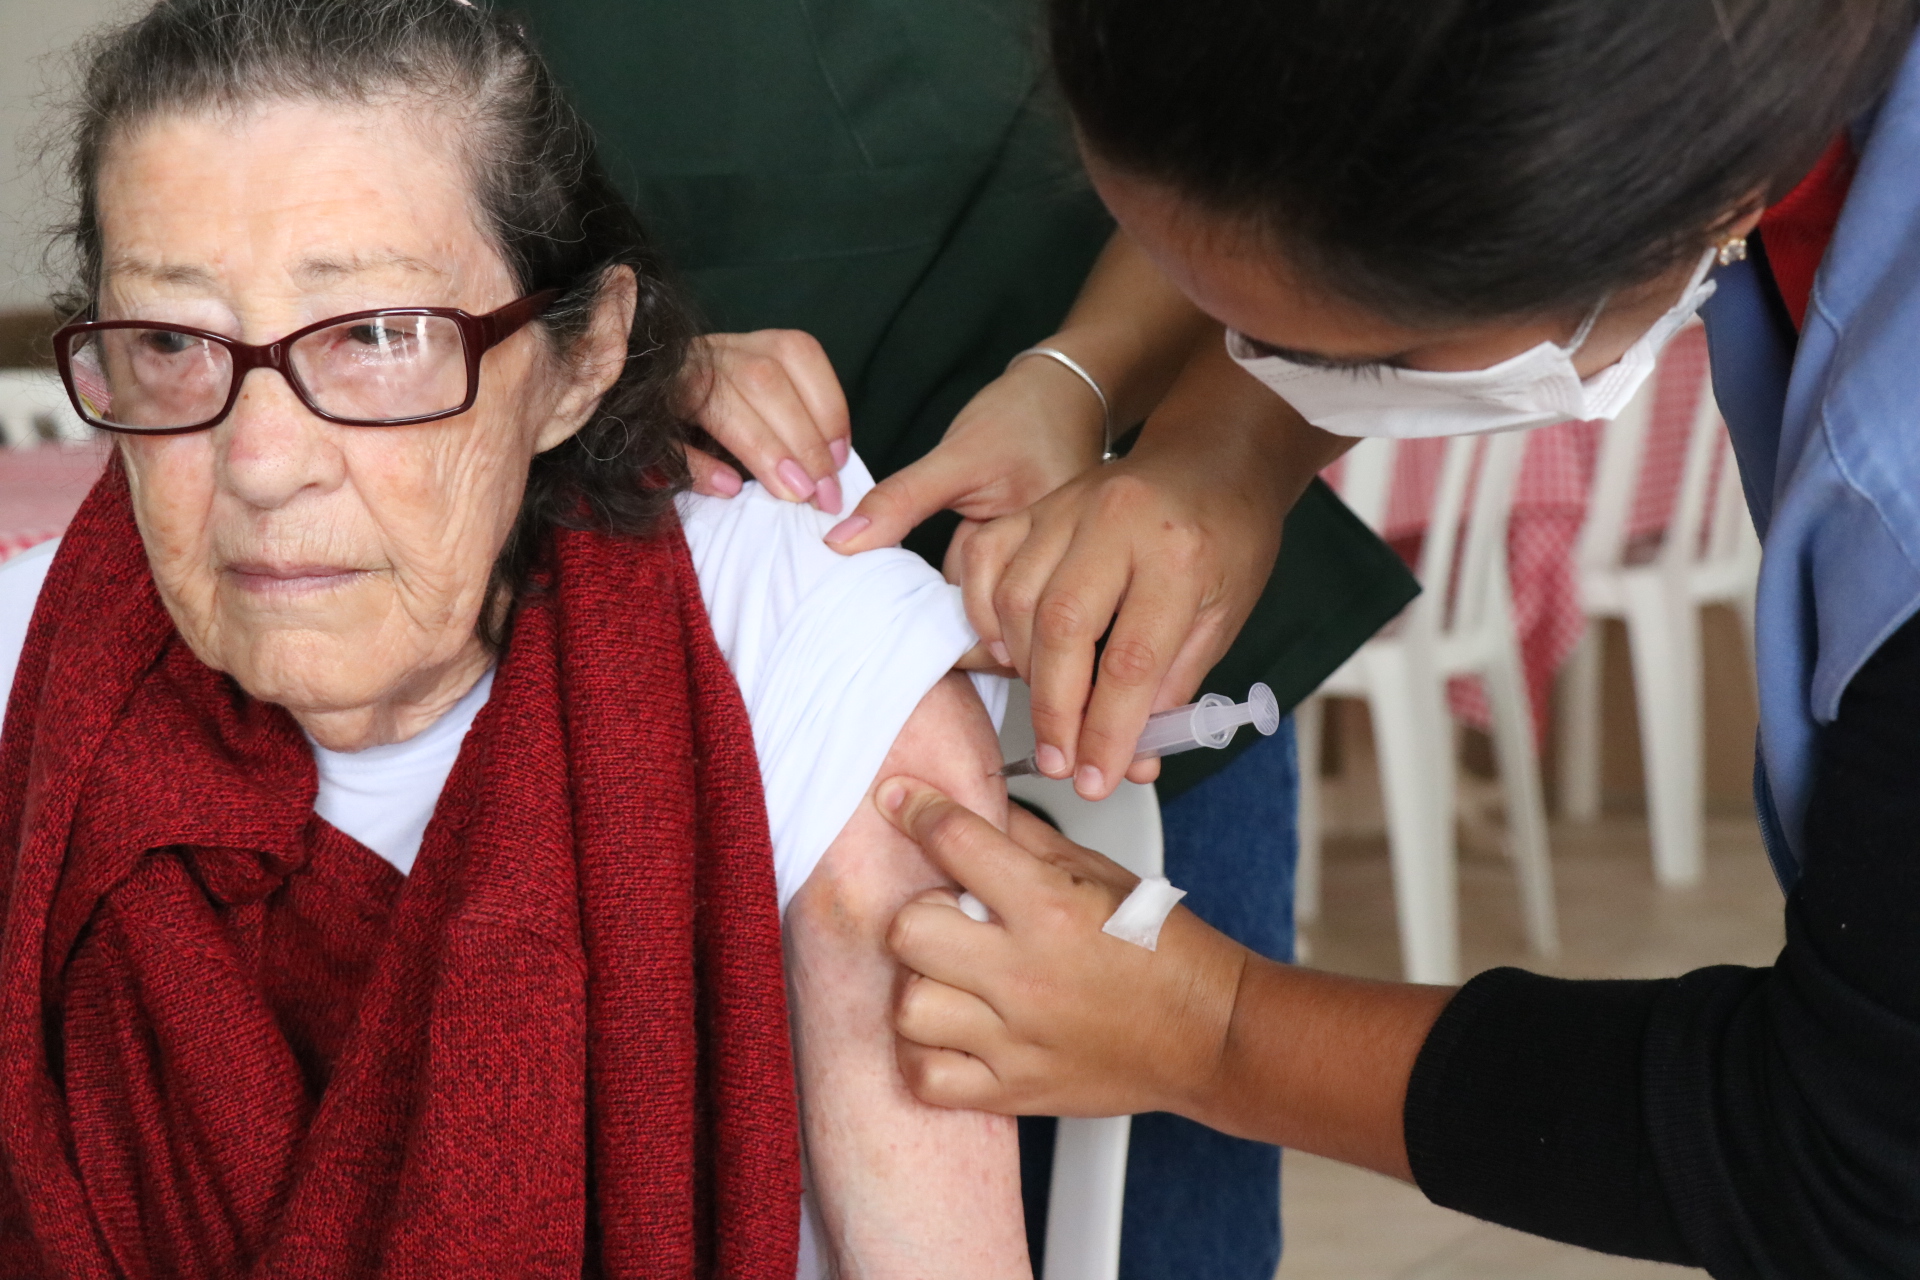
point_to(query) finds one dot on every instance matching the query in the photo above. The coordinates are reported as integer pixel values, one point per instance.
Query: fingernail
(827, 494)
(725, 480)
(892, 796)
(1051, 760)
(848, 529)
(998, 648)
(838, 448)
(796, 479)
(1088, 781)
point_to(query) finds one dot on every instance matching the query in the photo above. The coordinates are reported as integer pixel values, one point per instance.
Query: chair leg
(1579, 729)
(1416, 776)
(1308, 719)
(1664, 631)
(1513, 740)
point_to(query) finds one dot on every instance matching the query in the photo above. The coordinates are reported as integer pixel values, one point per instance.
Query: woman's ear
(1741, 219)
(596, 360)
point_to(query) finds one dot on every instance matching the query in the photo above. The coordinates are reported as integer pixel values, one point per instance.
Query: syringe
(1210, 722)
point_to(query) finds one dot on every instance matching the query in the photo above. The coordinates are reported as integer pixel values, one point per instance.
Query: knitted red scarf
(237, 1043)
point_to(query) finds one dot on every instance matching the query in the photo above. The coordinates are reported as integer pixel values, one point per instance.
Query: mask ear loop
(1585, 331)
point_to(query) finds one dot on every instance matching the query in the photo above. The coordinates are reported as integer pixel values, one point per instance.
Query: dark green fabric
(893, 177)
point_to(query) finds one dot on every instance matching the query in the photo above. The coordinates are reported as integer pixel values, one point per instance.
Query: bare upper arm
(871, 869)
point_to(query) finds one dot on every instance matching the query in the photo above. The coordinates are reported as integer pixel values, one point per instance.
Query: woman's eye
(379, 335)
(167, 343)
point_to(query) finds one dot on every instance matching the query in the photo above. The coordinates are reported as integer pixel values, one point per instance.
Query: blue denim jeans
(1199, 1203)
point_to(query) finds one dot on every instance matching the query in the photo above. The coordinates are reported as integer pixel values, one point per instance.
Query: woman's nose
(273, 447)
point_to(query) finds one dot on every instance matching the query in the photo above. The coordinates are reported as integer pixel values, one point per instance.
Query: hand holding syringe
(1210, 722)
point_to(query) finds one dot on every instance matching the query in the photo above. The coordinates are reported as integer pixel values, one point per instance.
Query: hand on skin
(772, 400)
(1037, 1011)
(1170, 547)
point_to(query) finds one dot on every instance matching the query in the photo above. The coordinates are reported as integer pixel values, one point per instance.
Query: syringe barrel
(1184, 728)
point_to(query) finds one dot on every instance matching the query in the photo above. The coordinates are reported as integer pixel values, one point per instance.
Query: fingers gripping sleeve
(832, 653)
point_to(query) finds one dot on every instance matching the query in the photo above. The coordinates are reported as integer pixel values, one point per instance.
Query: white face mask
(1532, 389)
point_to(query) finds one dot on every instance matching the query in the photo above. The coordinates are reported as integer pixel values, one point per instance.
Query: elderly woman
(399, 794)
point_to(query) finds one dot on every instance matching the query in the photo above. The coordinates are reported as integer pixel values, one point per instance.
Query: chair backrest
(1481, 593)
(1704, 525)
(1089, 1182)
(1730, 533)
(1711, 525)
(1616, 483)
(34, 409)
(1463, 557)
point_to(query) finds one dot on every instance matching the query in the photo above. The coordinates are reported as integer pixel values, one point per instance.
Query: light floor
(1346, 1224)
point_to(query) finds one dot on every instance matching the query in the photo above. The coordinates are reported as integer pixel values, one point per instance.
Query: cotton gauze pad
(1139, 918)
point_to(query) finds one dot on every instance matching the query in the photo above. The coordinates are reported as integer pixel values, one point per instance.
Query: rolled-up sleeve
(832, 653)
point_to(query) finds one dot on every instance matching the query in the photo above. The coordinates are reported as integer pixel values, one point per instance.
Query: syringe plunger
(1209, 722)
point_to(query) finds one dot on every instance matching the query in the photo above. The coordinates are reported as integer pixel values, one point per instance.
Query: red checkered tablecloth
(41, 488)
(1550, 503)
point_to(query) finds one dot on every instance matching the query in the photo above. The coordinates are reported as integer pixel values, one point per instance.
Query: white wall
(35, 36)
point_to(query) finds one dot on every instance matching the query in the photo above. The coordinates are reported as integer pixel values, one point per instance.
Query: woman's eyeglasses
(385, 368)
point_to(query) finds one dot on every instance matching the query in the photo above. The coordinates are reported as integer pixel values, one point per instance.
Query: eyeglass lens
(375, 369)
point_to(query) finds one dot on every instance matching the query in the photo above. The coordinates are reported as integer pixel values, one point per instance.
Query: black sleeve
(1756, 1122)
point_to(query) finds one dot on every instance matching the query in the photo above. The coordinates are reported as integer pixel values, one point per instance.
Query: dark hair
(1448, 160)
(559, 222)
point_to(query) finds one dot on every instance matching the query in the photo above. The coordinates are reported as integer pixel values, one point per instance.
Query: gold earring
(1732, 251)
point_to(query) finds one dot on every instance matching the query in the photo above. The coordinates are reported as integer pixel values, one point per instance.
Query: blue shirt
(1828, 440)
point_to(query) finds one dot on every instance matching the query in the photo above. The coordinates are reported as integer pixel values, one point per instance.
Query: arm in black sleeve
(1757, 1122)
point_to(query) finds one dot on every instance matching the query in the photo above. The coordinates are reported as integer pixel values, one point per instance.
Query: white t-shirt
(832, 654)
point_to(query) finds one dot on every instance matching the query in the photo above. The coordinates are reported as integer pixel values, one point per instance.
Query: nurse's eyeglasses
(387, 368)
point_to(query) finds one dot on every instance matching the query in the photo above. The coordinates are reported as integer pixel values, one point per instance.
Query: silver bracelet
(1106, 410)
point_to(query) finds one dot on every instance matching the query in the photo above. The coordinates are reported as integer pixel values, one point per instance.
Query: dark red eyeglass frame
(478, 335)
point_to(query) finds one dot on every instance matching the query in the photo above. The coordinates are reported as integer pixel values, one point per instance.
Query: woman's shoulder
(20, 581)
(832, 653)
(764, 566)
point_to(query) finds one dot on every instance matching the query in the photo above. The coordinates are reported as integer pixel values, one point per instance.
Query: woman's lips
(290, 579)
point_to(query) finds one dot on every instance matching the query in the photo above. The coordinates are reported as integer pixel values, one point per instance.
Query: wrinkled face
(338, 571)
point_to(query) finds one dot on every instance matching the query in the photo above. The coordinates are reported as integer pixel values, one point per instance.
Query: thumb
(998, 869)
(981, 658)
(893, 507)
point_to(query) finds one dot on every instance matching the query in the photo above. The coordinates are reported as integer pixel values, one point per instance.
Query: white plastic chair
(1461, 624)
(1708, 555)
(34, 408)
(1089, 1156)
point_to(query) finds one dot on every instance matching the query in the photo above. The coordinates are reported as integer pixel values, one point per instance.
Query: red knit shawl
(237, 1043)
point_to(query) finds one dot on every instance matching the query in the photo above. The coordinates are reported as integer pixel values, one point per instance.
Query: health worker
(1476, 216)
(878, 207)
